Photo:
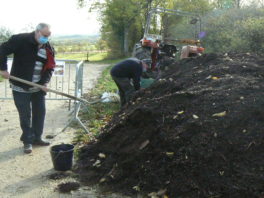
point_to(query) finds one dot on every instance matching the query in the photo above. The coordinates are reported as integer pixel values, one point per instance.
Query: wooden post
(87, 56)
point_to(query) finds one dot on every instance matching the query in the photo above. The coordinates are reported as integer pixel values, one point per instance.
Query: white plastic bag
(110, 97)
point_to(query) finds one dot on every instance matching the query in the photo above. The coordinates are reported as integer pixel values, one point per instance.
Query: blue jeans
(30, 105)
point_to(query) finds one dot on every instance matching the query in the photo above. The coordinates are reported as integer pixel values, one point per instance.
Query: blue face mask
(43, 40)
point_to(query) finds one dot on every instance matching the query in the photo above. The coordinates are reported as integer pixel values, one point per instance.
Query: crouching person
(126, 75)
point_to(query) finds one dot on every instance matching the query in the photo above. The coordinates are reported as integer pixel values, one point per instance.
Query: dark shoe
(27, 148)
(41, 143)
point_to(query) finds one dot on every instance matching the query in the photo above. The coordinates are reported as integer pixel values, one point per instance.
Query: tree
(4, 34)
(226, 4)
(120, 18)
(123, 21)
(101, 45)
(239, 30)
(196, 6)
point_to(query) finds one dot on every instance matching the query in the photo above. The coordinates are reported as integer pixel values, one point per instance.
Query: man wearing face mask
(125, 71)
(33, 60)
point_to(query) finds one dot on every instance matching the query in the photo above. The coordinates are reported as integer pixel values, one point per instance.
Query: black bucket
(62, 156)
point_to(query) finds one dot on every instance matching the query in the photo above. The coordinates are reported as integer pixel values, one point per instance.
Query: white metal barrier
(78, 93)
(63, 80)
(67, 78)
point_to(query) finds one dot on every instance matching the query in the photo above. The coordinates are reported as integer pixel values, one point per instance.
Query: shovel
(48, 89)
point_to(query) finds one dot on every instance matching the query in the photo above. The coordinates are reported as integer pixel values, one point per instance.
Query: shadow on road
(29, 184)
(10, 154)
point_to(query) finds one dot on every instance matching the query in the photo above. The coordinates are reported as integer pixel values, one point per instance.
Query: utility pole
(148, 8)
(126, 29)
(149, 4)
(238, 3)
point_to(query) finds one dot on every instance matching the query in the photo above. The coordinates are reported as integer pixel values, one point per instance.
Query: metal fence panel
(65, 82)
(69, 80)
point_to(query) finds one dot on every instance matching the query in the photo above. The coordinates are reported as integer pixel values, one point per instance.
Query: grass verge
(1, 79)
(97, 115)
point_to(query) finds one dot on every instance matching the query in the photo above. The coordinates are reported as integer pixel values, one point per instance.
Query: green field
(93, 56)
(1, 79)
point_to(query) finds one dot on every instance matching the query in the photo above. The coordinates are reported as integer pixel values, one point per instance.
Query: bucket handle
(58, 154)
(60, 151)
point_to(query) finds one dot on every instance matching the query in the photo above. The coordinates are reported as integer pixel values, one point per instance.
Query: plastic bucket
(62, 156)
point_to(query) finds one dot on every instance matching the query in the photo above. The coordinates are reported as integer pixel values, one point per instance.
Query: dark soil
(58, 175)
(196, 132)
(68, 187)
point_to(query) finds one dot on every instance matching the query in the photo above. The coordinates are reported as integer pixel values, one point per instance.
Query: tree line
(230, 25)
(123, 22)
(67, 45)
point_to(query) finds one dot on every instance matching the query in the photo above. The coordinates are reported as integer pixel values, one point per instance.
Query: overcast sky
(63, 15)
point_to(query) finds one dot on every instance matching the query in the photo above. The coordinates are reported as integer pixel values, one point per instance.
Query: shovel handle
(48, 89)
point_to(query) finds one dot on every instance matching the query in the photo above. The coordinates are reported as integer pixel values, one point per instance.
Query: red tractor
(162, 47)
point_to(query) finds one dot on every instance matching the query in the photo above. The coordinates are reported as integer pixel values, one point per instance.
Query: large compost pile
(197, 132)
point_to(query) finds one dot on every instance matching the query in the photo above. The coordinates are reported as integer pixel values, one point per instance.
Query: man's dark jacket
(25, 49)
(130, 68)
